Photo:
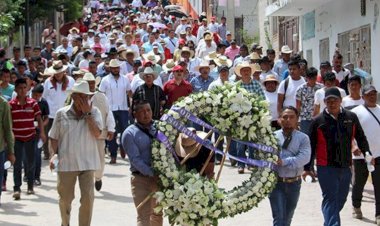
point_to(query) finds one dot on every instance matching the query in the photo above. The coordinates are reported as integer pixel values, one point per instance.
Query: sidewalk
(114, 205)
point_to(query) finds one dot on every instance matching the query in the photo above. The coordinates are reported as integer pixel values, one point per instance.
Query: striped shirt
(154, 95)
(23, 118)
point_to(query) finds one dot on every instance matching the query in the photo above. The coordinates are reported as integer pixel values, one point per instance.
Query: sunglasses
(178, 71)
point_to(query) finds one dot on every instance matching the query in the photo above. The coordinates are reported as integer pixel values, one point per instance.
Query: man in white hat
(206, 46)
(282, 64)
(117, 90)
(150, 92)
(182, 26)
(100, 101)
(73, 138)
(244, 71)
(138, 80)
(201, 82)
(128, 38)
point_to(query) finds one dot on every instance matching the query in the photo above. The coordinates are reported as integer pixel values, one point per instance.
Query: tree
(10, 16)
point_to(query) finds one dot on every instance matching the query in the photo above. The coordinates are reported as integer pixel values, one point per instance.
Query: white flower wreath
(190, 199)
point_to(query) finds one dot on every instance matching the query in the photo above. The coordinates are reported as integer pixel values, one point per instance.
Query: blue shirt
(138, 146)
(280, 67)
(295, 156)
(199, 84)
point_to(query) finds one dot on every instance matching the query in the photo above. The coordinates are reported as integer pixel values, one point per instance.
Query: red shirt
(23, 118)
(167, 54)
(174, 91)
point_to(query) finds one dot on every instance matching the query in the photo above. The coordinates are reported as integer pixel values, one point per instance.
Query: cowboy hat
(256, 68)
(211, 56)
(203, 64)
(114, 63)
(151, 57)
(148, 71)
(46, 73)
(73, 29)
(223, 61)
(244, 64)
(285, 49)
(89, 77)
(270, 78)
(186, 145)
(169, 65)
(208, 37)
(187, 49)
(57, 67)
(80, 87)
(254, 56)
(81, 71)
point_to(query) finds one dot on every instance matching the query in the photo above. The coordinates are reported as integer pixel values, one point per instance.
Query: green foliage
(73, 9)
(248, 39)
(10, 15)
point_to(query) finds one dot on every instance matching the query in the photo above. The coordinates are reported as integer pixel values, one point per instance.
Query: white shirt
(201, 31)
(172, 44)
(180, 28)
(216, 83)
(78, 150)
(272, 99)
(213, 27)
(137, 3)
(56, 97)
(319, 98)
(137, 81)
(84, 63)
(347, 101)
(205, 50)
(371, 128)
(342, 74)
(116, 92)
(290, 95)
(133, 47)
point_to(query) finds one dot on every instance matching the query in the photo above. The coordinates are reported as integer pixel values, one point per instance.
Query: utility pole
(27, 23)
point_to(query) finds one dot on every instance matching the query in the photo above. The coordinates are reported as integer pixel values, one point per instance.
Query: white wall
(339, 16)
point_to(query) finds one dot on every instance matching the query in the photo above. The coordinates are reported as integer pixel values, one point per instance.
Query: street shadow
(113, 197)
(114, 175)
(369, 192)
(15, 208)
(46, 199)
(366, 220)
(11, 224)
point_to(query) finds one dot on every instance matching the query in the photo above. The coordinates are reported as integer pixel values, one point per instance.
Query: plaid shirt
(253, 87)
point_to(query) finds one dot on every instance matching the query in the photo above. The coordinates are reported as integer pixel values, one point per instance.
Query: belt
(289, 179)
(137, 173)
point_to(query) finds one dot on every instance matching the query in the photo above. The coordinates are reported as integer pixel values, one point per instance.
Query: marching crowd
(122, 65)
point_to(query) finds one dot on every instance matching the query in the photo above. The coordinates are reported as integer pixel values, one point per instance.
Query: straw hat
(186, 145)
(203, 64)
(244, 64)
(256, 68)
(187, 49)
(57, 67)
(285, 49)
(47, 73)
(81, 71)
(89, 77)
(211, 56)
(80, 87)
(169, 65)
(270, 78)
(254, 56)
(151, 57)
(114, 63)
(73, 29)
(223, 61)
(208, 37)
(148, 71)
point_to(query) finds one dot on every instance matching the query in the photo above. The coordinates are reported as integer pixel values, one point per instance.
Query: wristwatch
(85, 115)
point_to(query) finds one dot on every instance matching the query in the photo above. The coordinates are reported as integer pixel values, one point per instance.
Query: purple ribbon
(188, 115)
(207, 143)
(169, 146)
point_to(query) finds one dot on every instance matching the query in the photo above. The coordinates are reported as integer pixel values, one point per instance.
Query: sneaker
(241, 170)
(113, 161)
(357, 213)
(16, 195)
(37, 182)
(98, 185)
(30, 191)
(217, 162)
(4, 186)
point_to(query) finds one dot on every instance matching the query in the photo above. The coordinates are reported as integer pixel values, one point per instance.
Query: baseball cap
(368, 89)
(177, 68)
(332, 92)
(228, 33)
(223, 68)
(325, 64)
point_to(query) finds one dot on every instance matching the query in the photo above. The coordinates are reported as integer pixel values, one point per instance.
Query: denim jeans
(2, 160)
(241, 149)
(21, 149)
(121, 119)
(335, 184)
(305, 125)
(283, 202)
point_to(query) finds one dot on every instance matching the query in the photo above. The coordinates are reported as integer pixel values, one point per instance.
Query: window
(324, 50)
